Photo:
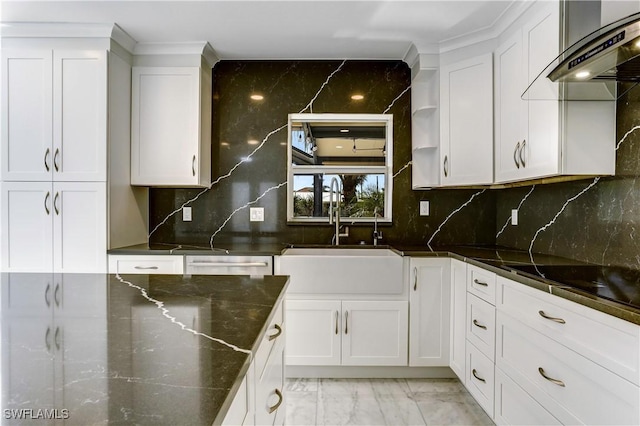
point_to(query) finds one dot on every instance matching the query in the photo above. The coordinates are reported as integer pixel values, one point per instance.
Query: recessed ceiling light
(252, 142)
(357, 97)
(344, 130)
(339, 146)
(257, 97)
(583, 74)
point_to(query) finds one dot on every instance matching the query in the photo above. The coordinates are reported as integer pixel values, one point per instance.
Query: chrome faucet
(336, 210)
(376, 235)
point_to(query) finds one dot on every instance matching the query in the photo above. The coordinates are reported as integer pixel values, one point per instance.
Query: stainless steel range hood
(590, 68)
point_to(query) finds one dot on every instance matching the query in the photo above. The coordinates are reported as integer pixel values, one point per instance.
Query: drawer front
(229, 265)
(270, 404)
(516, 407)
(481, 325)
(573, 388)
(481, 283)
(133, 264)
(606, 340)
(239, 409)
(480, 378)
(274, 335)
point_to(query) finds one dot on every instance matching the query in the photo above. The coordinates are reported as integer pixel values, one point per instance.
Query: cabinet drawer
(229, 265)
(270, 404)
(134, 264)
(606, 340)
(573, 388)
(480, 378)
(274, 334)
(481, 325)
(516, 407)
(239, 409)
(481, 283)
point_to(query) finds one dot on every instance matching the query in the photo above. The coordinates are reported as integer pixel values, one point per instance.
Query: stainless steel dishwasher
(229, 265)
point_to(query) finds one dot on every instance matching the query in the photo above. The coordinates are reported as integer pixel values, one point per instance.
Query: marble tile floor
(381, 402)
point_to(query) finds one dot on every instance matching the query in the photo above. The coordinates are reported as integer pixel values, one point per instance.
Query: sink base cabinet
(353, 333)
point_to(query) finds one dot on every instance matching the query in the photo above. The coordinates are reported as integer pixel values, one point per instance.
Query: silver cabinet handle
(475, 374)
(446, 166)
(55, 295)
(477, 324)
(145, 267)
(280, 399)
(47, 292)
(337, 313)
(346, 322)
(46, 161)
(554, 319)
(552, 380)
(56, 338)
(46, 202)
(55, 204)
(515, 154)
(415, 278)
(524, 143)
(278, 332)
(55, 160)
(193, 165)
(47, 343)
(480, 282)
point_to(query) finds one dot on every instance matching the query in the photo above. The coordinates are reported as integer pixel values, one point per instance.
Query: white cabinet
(171, 126)
(466, 122)
(146, 264)
(334, 332)
(58, 227)
(54, 119)
(458, 319)
(430, 302)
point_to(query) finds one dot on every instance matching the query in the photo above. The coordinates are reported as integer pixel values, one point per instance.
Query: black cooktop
(614, 283)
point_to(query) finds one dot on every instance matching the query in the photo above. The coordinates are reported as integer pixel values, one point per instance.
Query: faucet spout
(335, 211)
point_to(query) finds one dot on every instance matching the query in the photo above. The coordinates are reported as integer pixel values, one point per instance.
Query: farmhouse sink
(342, 270)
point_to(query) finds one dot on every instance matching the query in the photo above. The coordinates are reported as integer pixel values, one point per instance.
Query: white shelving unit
(425, 139)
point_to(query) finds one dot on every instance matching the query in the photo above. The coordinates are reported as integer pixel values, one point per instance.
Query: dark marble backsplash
(291, 87)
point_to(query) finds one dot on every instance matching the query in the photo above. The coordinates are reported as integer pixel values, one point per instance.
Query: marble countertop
(136, 349)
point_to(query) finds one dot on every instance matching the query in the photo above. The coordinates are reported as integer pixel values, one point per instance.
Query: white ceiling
(265, 29)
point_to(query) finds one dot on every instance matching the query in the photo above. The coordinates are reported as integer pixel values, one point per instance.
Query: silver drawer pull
(477, 324)
(337, 321)
(278, 332)
(193, 166)
(415, 278)
(480, 282)
(47, 297)
(545, 316)
(554, 381)
(145, 267)
(46, 159)
(280, 399)
(475, 374)
(227, 264)
(55, 160)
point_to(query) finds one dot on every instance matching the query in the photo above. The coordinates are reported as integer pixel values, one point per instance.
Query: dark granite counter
(136, 349)
(240, 249)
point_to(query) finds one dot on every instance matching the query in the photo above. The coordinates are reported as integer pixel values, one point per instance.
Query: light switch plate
(514, 217)
(424, 208)
(256, 214)
(186, 214)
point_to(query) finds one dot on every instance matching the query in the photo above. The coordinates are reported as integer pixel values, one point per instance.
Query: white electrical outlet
(256, 214)
(186, 214)
(424, 208)
(514, 217)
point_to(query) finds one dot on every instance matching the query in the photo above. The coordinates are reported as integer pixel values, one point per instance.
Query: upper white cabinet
(538, 134)
(54, 117)
(466, 124)
(171, 126)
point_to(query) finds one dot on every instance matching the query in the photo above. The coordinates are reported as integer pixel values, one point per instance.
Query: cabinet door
(270, 404)
(510, 109)
(27, 93)
(374, 333)
(457, 355)
(541, 151)
(165, 126)
(80, 240)
(26, 224)
(429, 314)
(466, 122)
(80, 116)
(313, 332)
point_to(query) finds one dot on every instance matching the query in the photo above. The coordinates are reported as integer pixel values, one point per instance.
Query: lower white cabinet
(335, 332)
(58, 227)
(480, 378)
(458, 319)
(430, 301)
(146, 264)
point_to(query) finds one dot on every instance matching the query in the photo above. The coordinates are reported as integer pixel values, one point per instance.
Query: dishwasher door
(229, 265)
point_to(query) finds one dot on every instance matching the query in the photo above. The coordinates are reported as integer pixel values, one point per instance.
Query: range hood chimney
(590, 68)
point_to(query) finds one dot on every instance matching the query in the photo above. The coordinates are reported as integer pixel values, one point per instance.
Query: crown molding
(195, 48)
